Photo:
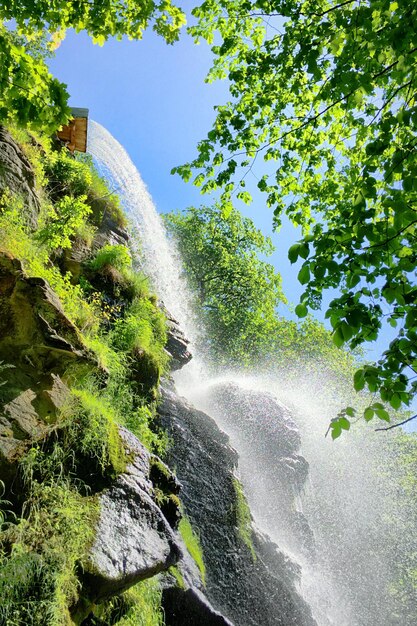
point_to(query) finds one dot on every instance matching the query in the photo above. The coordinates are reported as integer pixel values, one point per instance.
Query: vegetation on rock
(243, 517)
(107, 331)
(193, 545)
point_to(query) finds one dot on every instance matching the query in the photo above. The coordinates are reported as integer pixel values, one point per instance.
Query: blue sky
(152, 97)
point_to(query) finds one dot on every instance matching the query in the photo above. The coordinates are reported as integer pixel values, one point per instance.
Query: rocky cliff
(96, 527)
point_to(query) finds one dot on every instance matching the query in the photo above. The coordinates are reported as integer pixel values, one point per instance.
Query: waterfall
(343, 500)
(158, 257)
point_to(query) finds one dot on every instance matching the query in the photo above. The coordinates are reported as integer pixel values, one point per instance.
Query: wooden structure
(74, 134)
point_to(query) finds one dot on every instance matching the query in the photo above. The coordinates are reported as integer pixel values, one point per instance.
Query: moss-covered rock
(17, 175)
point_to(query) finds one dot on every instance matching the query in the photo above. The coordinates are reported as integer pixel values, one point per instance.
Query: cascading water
(345, 500)
(157, 256)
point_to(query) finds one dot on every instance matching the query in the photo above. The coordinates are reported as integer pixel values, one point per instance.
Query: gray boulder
(133, 539)
(177, 344)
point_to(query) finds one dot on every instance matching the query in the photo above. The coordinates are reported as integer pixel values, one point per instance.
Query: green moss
(97, 434)
(243, 517)
(175, 572)
(193, 545)
(38, 572)
(139, 606)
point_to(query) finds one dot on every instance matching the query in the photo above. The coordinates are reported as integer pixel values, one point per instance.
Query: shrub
(115, 256)
(38, 576)
(60, 223)
(114, 264)
(94, 431)
(66, 175)
(20, 243)
(139, 606)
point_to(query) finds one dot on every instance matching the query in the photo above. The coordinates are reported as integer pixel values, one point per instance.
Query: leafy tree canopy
(101, 19)
(29, 94)
(238, 293)
(326, 92)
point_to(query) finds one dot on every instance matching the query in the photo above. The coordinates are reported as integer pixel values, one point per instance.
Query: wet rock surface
(37, 343)
(190, 607)
(17, 176)
(177, 344)
(248, 592)
(133, 540)
(110, 233)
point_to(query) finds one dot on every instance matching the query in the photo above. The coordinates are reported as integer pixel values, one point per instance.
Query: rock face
(133, 540)
(110, 233)
(37, 342)
(248, 592)
(190, 607)
(177, 344)
(16, 174)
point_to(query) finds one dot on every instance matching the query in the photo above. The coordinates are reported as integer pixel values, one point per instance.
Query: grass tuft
(243, 517)
(193, 545)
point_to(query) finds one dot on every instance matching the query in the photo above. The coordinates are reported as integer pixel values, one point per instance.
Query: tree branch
(399, 424)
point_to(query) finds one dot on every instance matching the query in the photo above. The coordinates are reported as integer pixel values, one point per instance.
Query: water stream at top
(158, 256)
(344, 497)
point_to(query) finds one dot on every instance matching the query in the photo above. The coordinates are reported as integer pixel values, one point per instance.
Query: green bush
(139, 606)
(17, 240)
(61, 222)
(114, 264)
(96, 434)
(66, 175)
(114, 256)
(143, 327)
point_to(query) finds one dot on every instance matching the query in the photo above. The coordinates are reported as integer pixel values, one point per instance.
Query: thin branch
(384, 243)
(399, 424)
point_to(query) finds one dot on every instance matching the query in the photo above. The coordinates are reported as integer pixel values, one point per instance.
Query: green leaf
(395, 401)
(336, 430)
(359, 380)
(338, 338)
(382, 414)
(344, 423)
(304, 274)
(301, 310)
(293, 252)
(368, 413)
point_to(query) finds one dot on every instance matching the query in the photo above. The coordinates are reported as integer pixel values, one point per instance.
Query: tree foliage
(326, 92)
(237, 291)
(101, 20)
(29, 94)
